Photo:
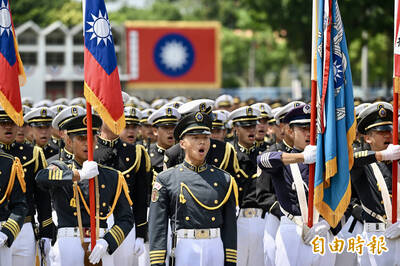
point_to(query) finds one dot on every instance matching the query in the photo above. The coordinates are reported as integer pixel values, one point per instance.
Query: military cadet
(250, 223)
(58, 123)
(134, 163)
(163, 121)
(69, 187)
(32, 159)
(132, 119)
(39, 119)
(200, 201)
(218, 130)
(221, 155)
(224, 102)
(289, 172)
(146, 130)
(372, 181)
(13, 206)
(56, 141)
(359, 143)
(262, 139)
(23, 131)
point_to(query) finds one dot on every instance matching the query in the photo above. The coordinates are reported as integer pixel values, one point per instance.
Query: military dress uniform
(113, 196)
(250, 223)
(266, 197)
(290, 248)
(134, 163)
(370, 180)
(32, 160)
(13, 206)
(42, 116)
(200, 202)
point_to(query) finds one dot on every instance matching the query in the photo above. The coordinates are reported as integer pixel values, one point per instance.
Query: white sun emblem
(5, 18)
(174, 55)
(100, 28)
(337, 71)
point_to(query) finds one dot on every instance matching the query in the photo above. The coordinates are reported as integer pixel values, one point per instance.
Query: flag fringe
(396, 83)
(351, 136)
(333, 217)
(17, 117)
(21, 71)
(115, 126)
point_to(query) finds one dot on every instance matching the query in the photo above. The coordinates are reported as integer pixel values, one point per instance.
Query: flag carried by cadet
(102, 86)
(336, 123)
(12, 74)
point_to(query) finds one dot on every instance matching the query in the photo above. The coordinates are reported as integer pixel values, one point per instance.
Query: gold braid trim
(183, 200)
(9, 186)
(121, 185)
(135, 165)
(147, 157)
(235, 190)
(19, 171)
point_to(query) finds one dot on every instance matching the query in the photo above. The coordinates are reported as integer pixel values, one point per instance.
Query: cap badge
(74, 111)
(176, 105)
(43, 112)
(262, 108)
(249, 111)
(133, 112)
(84, 121)
(202, 107)
(59, 109)
(382, 112)
(199, 117)
(296, 104)
(307, 109)
(168, 111)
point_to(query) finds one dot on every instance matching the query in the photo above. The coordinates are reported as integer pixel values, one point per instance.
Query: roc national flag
(102, 86)
(173, 54)
(336, 122)
(12, 74)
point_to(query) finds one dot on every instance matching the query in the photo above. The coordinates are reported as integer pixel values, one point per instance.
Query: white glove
(393, 231)
(321, 229)
(46, 245)
(310, 154)
(3, 239)
(391, 153)
(89, 170)
(139, 246)
(99, 251)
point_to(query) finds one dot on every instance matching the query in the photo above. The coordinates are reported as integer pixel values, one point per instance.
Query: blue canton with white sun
(174, 55)
(6, 35)
(98, 35)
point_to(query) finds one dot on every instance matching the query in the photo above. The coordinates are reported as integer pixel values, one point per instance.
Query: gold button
(101, 213)
(151, 154)
(103, 186)
(181, 169)
(215, 184)
(128, 175)
(240, 189)
(24, 157)
(97, 147)
(213, 219)
(104, 204)
(21, 147)
(187, 218)
(74, 213)
(51, 151)
(216, 201)
(25, 170)
(212, 170)
(124, 144)
(127, 159)
(0, 172)
(259, 152)
(214, 146)
(216, 160)
(238, 175)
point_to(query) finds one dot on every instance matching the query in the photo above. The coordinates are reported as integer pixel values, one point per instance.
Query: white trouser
(387, 258)
(348, 258)
(144, 259)
(54, 250)
(199, 252)
(271, 227)
(250, 246)
(5, 255)
(124, 254)
(291, 250)
(72, 254)
(24, 247)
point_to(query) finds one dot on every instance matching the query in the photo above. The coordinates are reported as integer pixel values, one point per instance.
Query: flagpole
(396, 81)
(92, 200)
(313, 115)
